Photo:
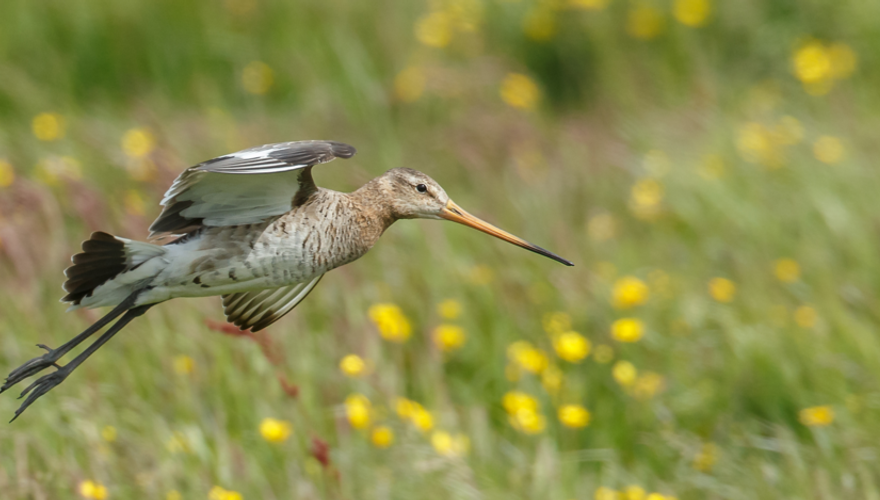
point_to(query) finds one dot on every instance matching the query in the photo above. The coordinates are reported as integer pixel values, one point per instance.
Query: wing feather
(258, 309)
(219, 192)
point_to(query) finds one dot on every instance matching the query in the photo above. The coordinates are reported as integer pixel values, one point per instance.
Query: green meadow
(709, 167)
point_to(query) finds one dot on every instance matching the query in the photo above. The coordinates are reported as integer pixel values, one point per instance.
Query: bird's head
(413, 195)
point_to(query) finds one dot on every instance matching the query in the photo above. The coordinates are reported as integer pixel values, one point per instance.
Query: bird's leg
(51, 358)
(45, 383)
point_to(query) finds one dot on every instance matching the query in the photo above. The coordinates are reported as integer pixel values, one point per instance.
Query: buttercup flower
(629, 291)
(575, 416)
(627, 330)
(816, 416)
(382, 436)
(275, 431)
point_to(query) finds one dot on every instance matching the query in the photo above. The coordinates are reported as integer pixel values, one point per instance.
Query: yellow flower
(588, 4)
(629, 291)
(627, 330)
(352, 365)
(404, 408)
(693, 13)
(92, 490)
(275, 431)
(48, 126)
(184, 365)
(605, 493)
(218, 493)
(109, 433)
(603, 353)
(787, 270)
(706, 457)
(450, 446)
(647, 193)
(551, 379)
(434, 29)
(816, 416)
(133, 202)
(520, 91)
(722, 289)
(648, 385)
(828, 150)
(645, 198)
(658, 496)
(257, 78)
(382, 436)
(173, 495)
(601, 227)
(514, 401)
(624, 373)
(409, 84)
(391, 322)
(811, 62)
(759, 144)
(574, 416)
(528, 421)
(817, 66)
(422, 418)
(449, 337)
(540, 24)
(527, 357)
(466, 15)
(415, 413)
(843, 61)
(449, 309)
(7, 174)
(138, 142)
(806, 317)
(634, 492)
(644, 21)
(571, 346)
(358, 409)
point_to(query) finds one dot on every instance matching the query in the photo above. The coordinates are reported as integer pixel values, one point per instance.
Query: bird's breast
(296, 247)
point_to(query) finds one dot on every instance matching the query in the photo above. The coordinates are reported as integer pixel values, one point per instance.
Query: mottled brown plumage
(252, 227)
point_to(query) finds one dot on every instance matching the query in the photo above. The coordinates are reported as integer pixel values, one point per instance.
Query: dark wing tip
(342, 150)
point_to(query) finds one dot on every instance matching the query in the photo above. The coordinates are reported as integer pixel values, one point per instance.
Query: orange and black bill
(457, 214)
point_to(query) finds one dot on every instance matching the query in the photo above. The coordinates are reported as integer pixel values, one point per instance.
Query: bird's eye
(421, 188)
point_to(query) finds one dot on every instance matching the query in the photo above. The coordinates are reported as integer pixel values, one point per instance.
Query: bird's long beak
(455, 213)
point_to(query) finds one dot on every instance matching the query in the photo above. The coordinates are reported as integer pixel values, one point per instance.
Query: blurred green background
(707, 165)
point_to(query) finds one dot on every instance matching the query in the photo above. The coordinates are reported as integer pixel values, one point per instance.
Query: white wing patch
(224, 191)
(258, 309)
(229, 200)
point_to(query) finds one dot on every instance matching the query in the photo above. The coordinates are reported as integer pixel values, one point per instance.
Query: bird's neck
(372, 211)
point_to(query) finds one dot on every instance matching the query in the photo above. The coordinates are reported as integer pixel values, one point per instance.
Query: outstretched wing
(219, 192)
(259, 309)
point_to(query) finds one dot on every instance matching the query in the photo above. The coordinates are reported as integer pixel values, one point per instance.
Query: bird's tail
(106, 269)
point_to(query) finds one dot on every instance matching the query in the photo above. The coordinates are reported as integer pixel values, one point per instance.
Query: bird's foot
(32, 367)
(41, 386)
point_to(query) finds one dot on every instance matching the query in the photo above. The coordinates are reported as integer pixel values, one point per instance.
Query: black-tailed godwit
(254, 228)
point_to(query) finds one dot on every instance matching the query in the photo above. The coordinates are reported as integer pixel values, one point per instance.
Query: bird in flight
(251, 226)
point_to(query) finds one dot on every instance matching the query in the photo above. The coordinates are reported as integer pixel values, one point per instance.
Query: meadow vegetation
(706, 165)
